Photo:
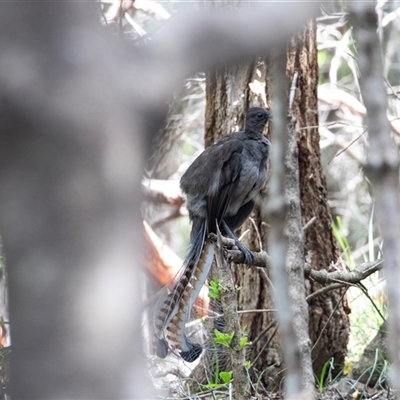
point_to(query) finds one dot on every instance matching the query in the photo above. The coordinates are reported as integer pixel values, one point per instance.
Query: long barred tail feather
(174, 311)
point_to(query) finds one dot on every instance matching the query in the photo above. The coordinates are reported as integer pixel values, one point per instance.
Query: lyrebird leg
(248, 257)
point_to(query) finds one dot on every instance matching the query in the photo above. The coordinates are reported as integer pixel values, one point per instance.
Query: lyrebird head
(256, 118)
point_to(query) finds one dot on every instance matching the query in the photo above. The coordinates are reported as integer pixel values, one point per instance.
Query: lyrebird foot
(248, 256)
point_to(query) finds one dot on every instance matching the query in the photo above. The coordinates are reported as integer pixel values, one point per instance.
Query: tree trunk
(230, 93)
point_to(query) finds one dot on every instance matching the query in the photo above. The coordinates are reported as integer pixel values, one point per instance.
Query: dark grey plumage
(220, 187)
(222, 182)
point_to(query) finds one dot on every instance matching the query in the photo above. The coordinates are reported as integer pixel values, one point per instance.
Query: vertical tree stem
(229, 306)
(295, 259)
(277, 209)
(382, 167)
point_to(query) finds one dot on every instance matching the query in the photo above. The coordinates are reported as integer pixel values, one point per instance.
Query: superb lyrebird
(220, 187)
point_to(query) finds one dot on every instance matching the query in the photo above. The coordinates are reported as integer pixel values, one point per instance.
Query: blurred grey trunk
(69, 169)
(230, 93)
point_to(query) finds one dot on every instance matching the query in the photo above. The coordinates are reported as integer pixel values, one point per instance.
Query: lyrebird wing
(230, 156)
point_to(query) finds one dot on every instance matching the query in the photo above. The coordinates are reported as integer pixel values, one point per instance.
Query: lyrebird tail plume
(220, 186)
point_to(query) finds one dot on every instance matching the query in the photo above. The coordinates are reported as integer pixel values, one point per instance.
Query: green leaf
(213, 289)
(226, 376)
(247, 364)
(243, 341)
(215, 386)
(223, 338)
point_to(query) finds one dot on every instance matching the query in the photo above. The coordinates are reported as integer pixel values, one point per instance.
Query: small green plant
(259, 379)
(226, 376)
(216, 367)
(213, 289)
(243, 339)
(323, 378)
(328, 376)
(215, 386)
(377, 373)
(223, 338)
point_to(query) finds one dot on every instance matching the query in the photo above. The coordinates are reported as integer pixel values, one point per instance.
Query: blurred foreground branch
(382, 167)
(79, 109)
(286, 243)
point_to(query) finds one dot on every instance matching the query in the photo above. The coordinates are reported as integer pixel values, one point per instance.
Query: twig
(264, 347)
(325, 289)
(365, 291)
(293, 90)
(263, 332)
(309, 223)
(362, 271)
(349, 145)
(257, 311)
(256, 230)
(357, 275)
(327, 322)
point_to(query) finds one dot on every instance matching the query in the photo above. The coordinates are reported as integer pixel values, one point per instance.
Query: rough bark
(329, 323)
(295, 263)
(285, 246)
(229, 94)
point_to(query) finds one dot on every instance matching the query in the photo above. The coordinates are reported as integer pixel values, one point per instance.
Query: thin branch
(327, 322)
(293, 90)
(265, 345)
(361, 272)
(257, 311)
(261, 259)
(257, 231)
(365, 291)
(263, 332)
(309, 223)
(325, 289)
